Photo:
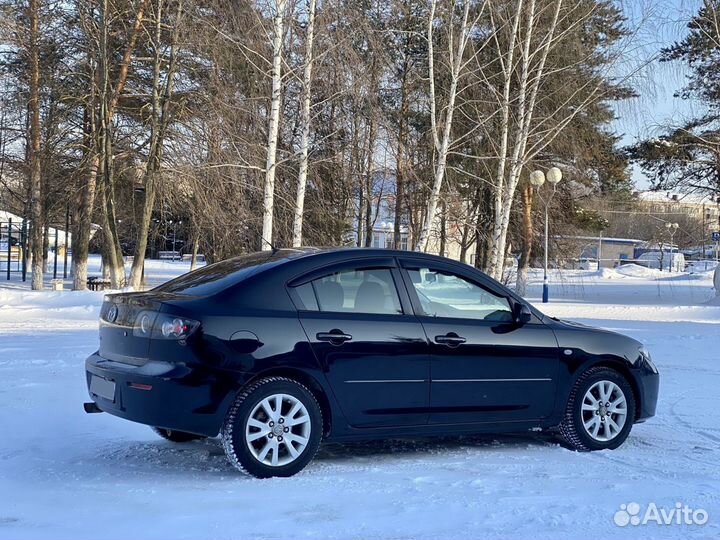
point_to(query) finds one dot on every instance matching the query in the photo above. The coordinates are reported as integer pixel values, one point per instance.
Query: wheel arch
(306, 380)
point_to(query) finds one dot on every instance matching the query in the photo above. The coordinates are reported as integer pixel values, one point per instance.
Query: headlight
(645, 355)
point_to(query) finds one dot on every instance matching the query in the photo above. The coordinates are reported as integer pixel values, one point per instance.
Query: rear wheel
(600, 411)
(273, 428)
(177, 436)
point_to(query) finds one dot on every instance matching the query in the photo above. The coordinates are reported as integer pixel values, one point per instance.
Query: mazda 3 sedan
(277, 351)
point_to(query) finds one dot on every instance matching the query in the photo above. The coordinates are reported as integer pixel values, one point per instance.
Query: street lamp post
(672, 228)
(537, 179)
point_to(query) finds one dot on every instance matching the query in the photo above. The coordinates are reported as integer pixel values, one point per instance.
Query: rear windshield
(216, 277)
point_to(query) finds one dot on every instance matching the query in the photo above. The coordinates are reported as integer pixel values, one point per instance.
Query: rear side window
(369, 291)
(307, 296)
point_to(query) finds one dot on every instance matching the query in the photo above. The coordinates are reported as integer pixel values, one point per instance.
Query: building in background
(704, 208)
(591, 252)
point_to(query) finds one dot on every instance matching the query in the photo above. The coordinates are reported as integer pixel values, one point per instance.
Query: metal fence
(12, 249)
(14, 255)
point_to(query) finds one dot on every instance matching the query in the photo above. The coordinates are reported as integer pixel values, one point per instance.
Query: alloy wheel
(604, 411)
(278, 430)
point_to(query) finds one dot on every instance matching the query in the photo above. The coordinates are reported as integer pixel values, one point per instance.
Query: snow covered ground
(68, 475)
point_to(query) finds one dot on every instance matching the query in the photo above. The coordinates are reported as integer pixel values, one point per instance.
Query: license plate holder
(102, 388)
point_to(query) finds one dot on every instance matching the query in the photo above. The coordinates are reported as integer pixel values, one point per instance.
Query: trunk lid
(118, 317)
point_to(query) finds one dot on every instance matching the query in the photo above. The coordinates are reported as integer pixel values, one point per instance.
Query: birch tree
(273, 124)
(442, 140)
(304, 127)
(533, 119)
(512, 160)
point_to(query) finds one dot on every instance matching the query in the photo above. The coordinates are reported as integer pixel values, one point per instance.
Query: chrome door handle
(334, 337)
(451, 339)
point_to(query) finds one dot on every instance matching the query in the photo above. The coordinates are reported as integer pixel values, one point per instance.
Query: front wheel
(273, 428)
(600, 411)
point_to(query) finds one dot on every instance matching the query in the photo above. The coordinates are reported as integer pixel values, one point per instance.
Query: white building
(705, 208)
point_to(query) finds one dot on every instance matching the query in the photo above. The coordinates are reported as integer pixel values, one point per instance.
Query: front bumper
(160, 394)
(649, 385)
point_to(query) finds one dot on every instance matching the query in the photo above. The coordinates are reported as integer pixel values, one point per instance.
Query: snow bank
(701, 266)
(52, 309)
(637, 271)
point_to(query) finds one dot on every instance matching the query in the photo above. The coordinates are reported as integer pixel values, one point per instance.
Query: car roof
(352, 251)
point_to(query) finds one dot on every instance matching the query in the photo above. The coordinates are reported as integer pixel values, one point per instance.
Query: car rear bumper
(161, 394)
(649, 384)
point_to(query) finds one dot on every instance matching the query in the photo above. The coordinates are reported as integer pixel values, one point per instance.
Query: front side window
(448, 295)
(370, 291)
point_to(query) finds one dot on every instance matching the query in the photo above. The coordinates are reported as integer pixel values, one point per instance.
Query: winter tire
(600, 411)
(273, 428)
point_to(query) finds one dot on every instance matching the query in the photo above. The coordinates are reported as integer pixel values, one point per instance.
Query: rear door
(484, 366)
(373, 349)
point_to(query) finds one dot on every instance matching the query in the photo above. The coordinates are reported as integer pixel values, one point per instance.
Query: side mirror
(523, 315)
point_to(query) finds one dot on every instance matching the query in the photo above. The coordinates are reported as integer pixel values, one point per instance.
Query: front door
(372, 347)
(484, 366)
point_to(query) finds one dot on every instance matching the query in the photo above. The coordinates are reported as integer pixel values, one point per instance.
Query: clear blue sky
(656, 24)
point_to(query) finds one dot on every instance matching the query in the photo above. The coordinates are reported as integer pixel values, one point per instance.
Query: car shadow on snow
(429, 446)
(206, 457)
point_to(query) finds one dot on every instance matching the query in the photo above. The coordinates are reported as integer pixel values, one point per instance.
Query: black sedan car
(276, 351)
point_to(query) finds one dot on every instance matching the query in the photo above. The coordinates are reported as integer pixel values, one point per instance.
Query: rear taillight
(177, 328)
(144, 322)
(150, 324)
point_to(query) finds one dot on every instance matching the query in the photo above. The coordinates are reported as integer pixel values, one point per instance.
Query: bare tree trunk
(86, 202)
(401, 164)
(115, 266)
(195, 248)
(464, 242)
(114, 262)
(527, 240)
(273, 126)
(443, 228)
(369, 179)
(105, 260)
(36, 200)
(160, 121)
(368, 220)
(83, 229)
(361, 216)
(442, 146)
(46, 238)
(305, 128)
